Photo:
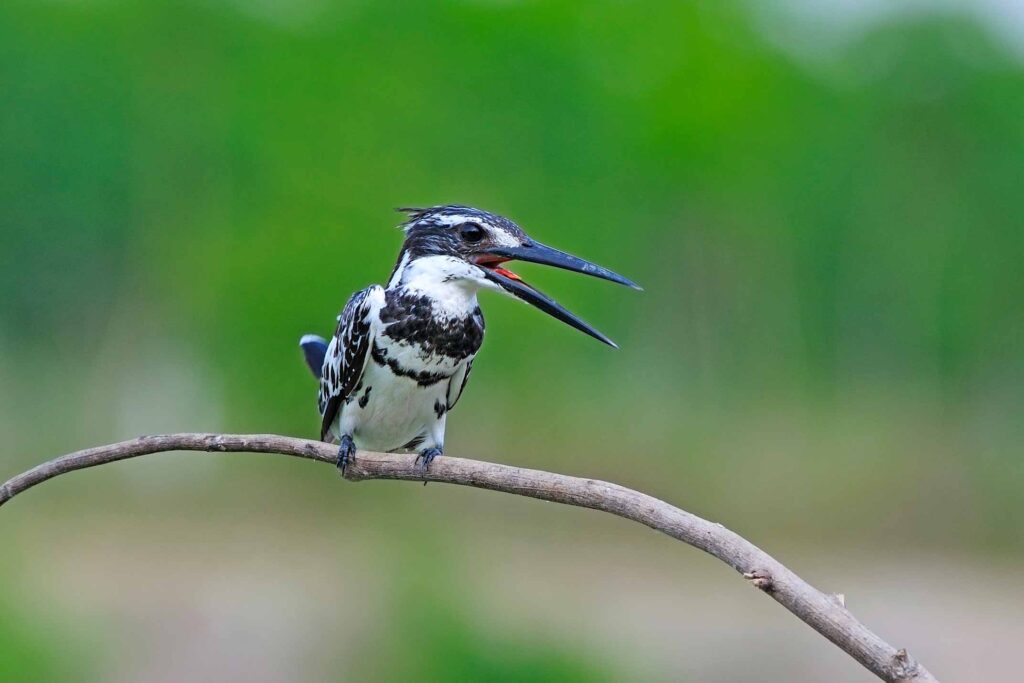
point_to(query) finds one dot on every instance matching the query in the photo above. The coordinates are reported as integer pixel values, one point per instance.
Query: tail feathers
(314, 348)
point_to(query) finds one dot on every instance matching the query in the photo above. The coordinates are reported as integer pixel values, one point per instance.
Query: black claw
(346, 453)
(427, 456)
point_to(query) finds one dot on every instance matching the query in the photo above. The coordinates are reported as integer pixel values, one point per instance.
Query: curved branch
(825, 613)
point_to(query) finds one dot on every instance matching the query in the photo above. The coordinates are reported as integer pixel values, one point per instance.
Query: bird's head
(466, 245)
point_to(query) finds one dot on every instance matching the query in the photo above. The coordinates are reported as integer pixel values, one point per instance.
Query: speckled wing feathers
(346, 356)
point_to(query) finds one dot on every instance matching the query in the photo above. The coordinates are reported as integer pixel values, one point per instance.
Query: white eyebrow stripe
(455, 219)
(499, 235)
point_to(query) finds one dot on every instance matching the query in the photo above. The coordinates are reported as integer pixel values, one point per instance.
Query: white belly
(397, 411)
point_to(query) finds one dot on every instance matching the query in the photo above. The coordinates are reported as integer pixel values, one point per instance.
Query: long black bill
(521, 290)
(548, 256)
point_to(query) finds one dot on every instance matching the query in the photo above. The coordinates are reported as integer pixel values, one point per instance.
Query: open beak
(535, 252)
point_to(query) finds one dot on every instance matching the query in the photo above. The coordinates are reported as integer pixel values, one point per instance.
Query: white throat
(450, 283)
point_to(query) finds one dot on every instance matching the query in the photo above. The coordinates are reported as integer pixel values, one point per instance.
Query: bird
(401, 354)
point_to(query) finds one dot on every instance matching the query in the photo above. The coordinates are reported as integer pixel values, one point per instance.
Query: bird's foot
(427, 456)
(346, 453)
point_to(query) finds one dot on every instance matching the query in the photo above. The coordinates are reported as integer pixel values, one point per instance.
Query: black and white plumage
(401, 355)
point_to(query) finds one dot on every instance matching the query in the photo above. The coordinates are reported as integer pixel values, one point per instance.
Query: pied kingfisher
(401, 355)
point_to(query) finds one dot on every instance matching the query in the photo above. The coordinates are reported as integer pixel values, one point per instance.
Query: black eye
(471, 232)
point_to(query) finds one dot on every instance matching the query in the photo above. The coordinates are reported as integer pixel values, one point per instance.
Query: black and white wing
(457, 384)
(347, 354)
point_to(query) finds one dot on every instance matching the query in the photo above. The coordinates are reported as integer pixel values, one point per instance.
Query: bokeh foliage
(832, 246)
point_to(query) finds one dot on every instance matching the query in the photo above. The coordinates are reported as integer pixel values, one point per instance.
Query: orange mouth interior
(494, 264)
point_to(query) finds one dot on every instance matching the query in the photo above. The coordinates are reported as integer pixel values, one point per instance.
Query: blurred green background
(823, 201)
